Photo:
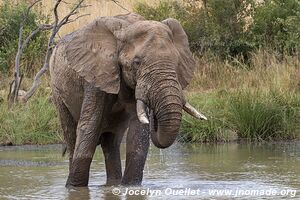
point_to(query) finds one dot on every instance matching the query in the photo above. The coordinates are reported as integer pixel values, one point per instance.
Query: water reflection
(39, 172)
(73, 193)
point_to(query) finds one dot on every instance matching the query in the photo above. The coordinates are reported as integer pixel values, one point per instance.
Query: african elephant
(119, 74)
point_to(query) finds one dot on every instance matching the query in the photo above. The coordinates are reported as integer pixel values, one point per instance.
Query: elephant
(116, 75)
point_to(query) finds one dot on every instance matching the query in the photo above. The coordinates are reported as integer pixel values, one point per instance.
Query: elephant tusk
(193, 112)
(141, 110)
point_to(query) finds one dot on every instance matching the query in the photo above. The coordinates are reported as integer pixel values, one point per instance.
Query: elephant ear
(187, 64)
(92, 53)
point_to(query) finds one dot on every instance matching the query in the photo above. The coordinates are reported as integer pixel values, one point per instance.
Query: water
(268, 171)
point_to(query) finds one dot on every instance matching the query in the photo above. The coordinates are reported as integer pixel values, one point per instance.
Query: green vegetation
(10, 19)
(261, 104)
(264, 116)
(276, 26)
(236, 115)
(248, 76)
(33, 123)
(215, 129)
(233, 29)
(247, 81)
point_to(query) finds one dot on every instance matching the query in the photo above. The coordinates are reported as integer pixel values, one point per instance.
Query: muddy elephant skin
(119, 74)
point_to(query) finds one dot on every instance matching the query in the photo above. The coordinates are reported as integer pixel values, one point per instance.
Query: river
(183, 171)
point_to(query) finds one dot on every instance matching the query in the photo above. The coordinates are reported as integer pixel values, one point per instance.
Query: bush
(218, 27)
(276, 25)
(163, 10)
(233, 29)
(10, 17)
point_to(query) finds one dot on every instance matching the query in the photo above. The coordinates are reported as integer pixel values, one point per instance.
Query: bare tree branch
(118, 4)
(73, 20)
(74, 4)
(22, 43)
(33, 4)
(36, 31)
(55, 12)
(14, 87)
(55, 29)
(71, 13)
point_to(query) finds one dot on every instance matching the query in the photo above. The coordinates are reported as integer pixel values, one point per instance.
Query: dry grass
(261, 90)
(98, 8)
(265, 73)
(232, 96)
(260, 101)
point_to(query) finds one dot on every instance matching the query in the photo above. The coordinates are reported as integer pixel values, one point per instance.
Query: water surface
(223, 171)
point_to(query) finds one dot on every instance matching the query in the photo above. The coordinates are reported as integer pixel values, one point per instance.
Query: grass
(264, 72)
(33, 123)
(269, 116)
(215, 129)
(260, 102)
(235, 115)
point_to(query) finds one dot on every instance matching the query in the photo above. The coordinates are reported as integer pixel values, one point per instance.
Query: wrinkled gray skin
(99, 72)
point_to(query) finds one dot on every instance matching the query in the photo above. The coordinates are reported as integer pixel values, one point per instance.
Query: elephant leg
(110, 143)
(68, 125)
(88, 135)
(137, 145)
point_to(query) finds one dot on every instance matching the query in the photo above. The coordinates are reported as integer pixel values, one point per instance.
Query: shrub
(276, 25)
(223, 24)
(218, 27)
(233, 29)
(163, 10)
(10, 17)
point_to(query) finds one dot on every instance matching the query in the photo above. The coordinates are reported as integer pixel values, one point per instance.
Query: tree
(23, 42)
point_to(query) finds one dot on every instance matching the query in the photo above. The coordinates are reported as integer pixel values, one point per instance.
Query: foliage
(11, 16)
(276, 24)
(219, 26)
(163, 10)
(233, 29)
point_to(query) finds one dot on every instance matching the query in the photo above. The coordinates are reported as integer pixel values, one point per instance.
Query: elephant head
(152, 58)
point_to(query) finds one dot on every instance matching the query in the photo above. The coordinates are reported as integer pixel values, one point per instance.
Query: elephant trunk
(165, 100)
(165, 122)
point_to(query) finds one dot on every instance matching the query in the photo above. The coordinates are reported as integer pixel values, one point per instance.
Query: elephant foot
(112, 182)
(131, 181)
(71, 183)
(79, 174)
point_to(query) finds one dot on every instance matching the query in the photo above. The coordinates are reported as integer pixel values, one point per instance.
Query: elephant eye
(136, 62)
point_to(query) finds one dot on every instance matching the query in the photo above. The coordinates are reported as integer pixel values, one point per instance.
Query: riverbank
(258, 102)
